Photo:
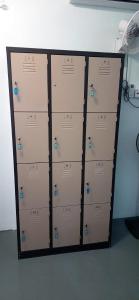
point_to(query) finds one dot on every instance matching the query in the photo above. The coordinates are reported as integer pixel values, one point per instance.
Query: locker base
(52, 251)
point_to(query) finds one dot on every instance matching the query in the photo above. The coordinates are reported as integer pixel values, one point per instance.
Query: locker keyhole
(56, 233)
(21, 193)
(86, 230)
(16, 89)
(19, 144)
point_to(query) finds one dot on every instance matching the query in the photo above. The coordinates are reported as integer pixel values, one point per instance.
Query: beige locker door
(66, 226)
(67, 83)
(67, 131)
(33, 185)
(103, 84)
(29, 81)
(96, 223)
(100, 136)
(31, 137)
(34, 229)
(66, 183)
(98, 182)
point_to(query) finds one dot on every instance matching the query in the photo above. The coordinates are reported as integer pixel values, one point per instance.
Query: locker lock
(92, 91)
(56, 233)
(88, 190)
(86, 230)
(23, 236)
(16, 89)
(21, 193)
(55, 190)
(19, 144)
(56, 144)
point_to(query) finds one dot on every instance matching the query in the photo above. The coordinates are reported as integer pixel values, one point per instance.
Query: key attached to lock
(92, 91)
(89, 143)
(86, 230)
(56, 234)
(87, 188)
(56, 193)
(21, 193)
(19, 144)
(23, 236)
(55, 144)
(16, 89)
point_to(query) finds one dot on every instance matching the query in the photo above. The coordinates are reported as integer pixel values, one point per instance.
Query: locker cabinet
(31, 137)
(66, 183)
(98, 182)
(100, 136)
(29, 81)
(33, 185)
(67, 83)
(103, 84)
(66, 226)
(96, 223)
(34, 229)
(67, 136)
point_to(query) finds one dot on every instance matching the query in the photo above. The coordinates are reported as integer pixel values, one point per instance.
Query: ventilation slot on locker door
(67, 123)
(101, 125)
(99, 170)
(105, 69)
(32, 121)
(68, 68)
(29, 65)
(67, 170)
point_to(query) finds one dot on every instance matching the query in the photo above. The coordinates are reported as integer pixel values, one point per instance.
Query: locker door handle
(19, 144)
(86, 230)
(21, 193)
(56, 233)
(16, 89)
(23, 236)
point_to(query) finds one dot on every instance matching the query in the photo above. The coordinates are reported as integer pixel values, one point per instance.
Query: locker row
(34, 226)
(67, 134)
(33, 184)
(67, 83)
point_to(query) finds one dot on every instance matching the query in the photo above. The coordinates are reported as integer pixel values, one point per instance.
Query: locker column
(30, 99)
(103, 90)
(67, 79)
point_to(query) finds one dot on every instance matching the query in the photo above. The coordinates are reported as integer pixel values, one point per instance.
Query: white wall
(59, 25)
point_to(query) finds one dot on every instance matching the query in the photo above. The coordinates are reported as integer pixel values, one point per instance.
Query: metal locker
(67, 136)
(103, 84)
(96, 223)
(29, 81)
(67, 83)
(100, 136)
(34, 229)
(66, 183)
(33, 185)
(31, 137)
(66, 226)
(98, 182)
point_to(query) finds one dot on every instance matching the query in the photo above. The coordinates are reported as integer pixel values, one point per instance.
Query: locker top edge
(63, 52)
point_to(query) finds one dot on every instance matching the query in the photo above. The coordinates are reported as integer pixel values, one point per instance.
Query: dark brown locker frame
(49, 52)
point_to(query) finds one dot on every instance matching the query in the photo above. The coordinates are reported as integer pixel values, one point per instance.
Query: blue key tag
(21, 195)
(16, 91)
(19, 147)
(55, 193)
(88, 190)
(86, 230)
(23, 236)
(92, 93)
(56, 146)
